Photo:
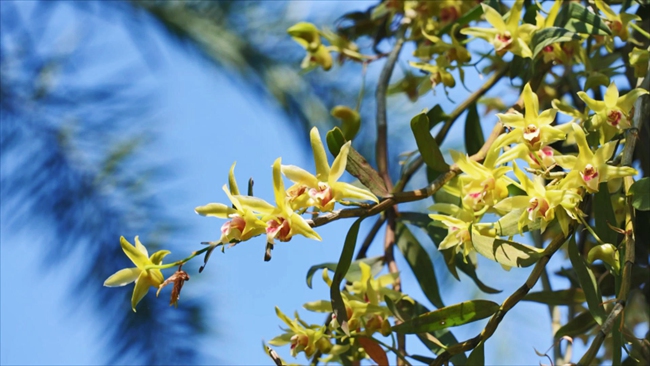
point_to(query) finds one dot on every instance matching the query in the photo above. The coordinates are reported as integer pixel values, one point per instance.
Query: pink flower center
(548, 49)
(538, 207)
(614, 117)
(233, 229)
(322, 194)
(278, 228)
(589, 173)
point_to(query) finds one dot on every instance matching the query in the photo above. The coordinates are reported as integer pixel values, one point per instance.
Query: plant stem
(178, 263)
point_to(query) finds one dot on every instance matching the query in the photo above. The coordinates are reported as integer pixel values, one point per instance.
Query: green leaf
(576, 18)
(450, 316)
(548, 36)
(572, 296)
(341, 269)
(406, 309)
(452, 260)
(508, 225)
(640, 191)
(359, 167)
(595, 80)
(477, 357)
(354, 273)
(579, 325)
(420, 263)
(588, 283)
(505, 252)
(427, 145)
(436, 115)
(604, 215)
(474, 138)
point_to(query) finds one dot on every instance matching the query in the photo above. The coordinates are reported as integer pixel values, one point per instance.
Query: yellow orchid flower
(589, 169)
(530, 131)
(323, 189)
(618, 23)
(540, 202)
(282, 222)
(639, 59)
(303, 338)
(613, 114)
(482, 186)
(144, 278)
(506, 35)
(458, 221)
(244, 223)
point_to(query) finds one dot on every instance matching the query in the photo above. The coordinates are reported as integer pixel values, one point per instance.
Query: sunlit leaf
(548, 36)
(427, 145)
(354, 273)
(576, 18)
(420, 263)
(505, 252)
(450, 316)
(508, 225)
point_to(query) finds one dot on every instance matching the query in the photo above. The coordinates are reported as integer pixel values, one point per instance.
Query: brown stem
(508, 304)
(380, 95)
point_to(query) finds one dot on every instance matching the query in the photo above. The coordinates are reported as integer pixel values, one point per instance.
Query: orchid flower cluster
(483, 188)
(366, 312)
(518, 182)
(250, 216)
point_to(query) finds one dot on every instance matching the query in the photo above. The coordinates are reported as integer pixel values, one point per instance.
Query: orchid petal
(231, 180)
(531, 102)
(518, 152)
(626, 102)
(135, 255)
(594, 105)
(140, 290)
(256, 204)
(122, 277)
(493, 17)
(278, 184)
(235, 201)
(320, 157)
(611, 96)
(215, 209)
(158, 256)
(344, 190)
(300, 226)
(339, 164)
(299, 175)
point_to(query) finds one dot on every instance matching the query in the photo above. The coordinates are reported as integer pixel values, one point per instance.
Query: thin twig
(380, 95)
(508, 304)
(417, 163)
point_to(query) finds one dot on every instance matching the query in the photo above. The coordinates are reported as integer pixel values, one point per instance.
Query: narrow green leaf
(588, 283)
(548, 36)
(604, 215)
(572, 296)
(477, 357)
(474, 138)
(406, 309)
(424, 359)
(579, 325)
(450, 316)
(505, 252)
(357, 165)
(576, 18)
(420, 263)
(354, 273)
(436, 115)
(341, 269)
(640, 191)
(452, 260)
(427, 145)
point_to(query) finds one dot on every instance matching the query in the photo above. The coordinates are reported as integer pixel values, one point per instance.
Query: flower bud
(606, 253)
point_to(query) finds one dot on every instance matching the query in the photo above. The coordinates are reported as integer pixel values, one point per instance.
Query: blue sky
(207, 122)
